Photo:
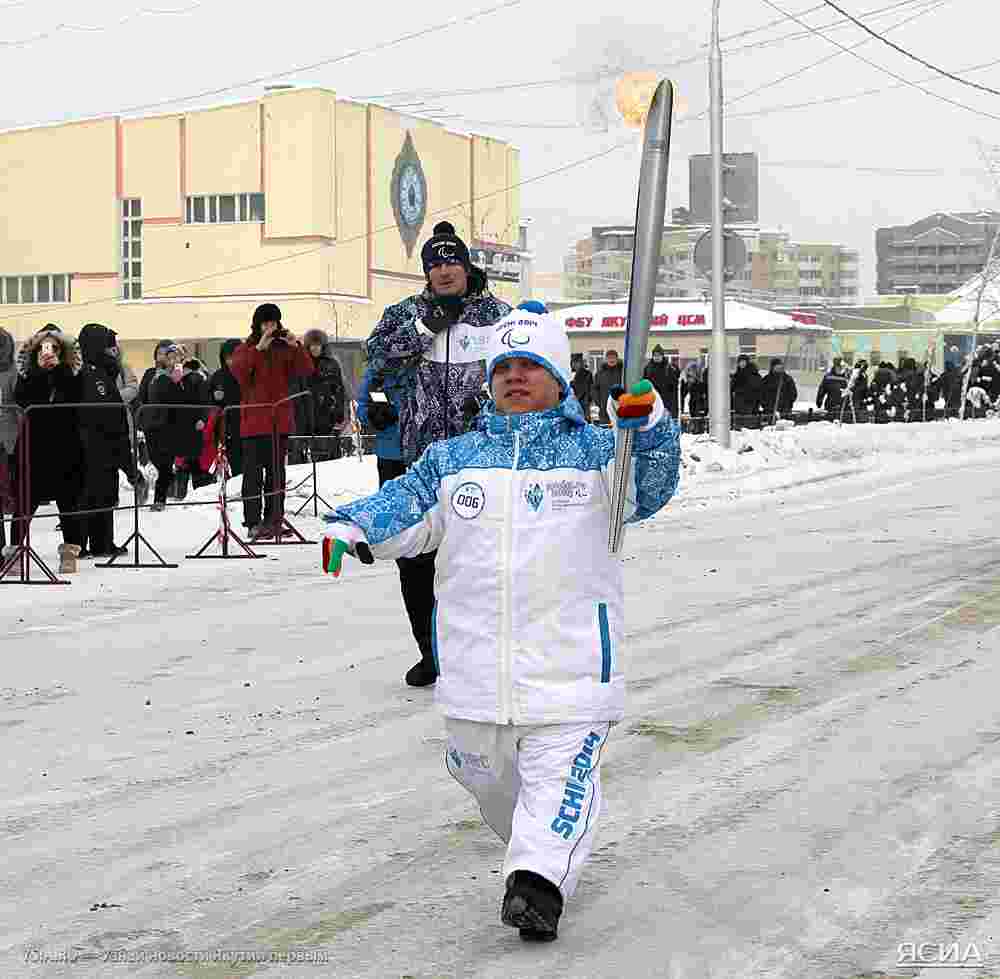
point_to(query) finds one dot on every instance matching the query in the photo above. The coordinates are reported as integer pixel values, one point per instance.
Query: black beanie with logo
(445, 247)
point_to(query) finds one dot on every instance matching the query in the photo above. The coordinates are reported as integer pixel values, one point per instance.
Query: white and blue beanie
(531, 331)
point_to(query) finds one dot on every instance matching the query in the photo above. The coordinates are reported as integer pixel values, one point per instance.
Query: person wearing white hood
(527, 640)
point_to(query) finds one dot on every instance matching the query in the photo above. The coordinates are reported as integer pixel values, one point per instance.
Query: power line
(422, 95)
(909, 54)
(348, 56)
(95, 28)
(933, 5)
(822, 61)
(832, 99)
(881, 68)
(273, 76)
(876, 171)
(24, 312)
(739, 98)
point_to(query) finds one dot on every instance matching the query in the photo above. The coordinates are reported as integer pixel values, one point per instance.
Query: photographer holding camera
(265, 365)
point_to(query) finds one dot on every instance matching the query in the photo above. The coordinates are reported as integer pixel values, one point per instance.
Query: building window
(131, 248)
(224, 208)
(34, 289)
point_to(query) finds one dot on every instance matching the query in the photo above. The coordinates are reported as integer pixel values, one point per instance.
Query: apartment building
(598, 268)
(934, 255)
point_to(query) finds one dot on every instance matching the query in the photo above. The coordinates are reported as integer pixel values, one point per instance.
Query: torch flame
(634, 95)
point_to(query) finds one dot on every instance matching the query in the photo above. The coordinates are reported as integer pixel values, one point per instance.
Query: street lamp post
(718, 398)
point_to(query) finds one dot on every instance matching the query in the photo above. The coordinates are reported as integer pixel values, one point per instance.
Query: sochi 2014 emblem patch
(534, 496)
(468, 501)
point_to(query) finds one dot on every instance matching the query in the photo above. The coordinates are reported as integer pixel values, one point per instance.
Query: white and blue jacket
(529, 620)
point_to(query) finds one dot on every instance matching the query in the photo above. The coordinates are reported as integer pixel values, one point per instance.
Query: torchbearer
(527, 639)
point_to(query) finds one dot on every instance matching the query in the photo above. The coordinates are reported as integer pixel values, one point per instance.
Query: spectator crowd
(93, 422)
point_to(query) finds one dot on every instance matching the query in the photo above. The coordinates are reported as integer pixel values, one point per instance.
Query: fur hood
(315, 336)
(7, 347)
(69, 351)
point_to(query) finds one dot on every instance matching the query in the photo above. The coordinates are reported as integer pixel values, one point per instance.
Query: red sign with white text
(619, 322)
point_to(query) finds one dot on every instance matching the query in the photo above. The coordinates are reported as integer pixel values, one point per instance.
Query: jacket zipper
(506, 655)
(447, 370)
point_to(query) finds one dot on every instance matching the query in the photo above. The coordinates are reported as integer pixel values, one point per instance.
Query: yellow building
(179, 225)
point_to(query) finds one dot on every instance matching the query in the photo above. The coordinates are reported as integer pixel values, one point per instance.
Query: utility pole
(718, 396)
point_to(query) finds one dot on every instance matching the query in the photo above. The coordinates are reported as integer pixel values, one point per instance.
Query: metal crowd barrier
(24, 558)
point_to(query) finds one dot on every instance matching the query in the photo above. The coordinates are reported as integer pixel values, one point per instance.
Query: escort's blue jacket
(387, 440)
(529, 621)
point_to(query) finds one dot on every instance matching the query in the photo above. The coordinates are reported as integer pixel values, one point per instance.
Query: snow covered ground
(223, 756)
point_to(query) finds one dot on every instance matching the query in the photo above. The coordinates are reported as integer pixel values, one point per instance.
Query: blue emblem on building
(534, 496)
(455, 757)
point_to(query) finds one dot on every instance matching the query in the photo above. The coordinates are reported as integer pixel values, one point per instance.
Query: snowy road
(810, 774)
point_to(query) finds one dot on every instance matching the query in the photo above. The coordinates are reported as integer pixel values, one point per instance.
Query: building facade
(684, 329)
(783, 269)
(179, 225)
(598, 268)
(934, 255)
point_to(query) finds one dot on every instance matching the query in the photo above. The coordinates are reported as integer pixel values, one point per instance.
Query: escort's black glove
(381, 415)
(470, 408)
(443, 312)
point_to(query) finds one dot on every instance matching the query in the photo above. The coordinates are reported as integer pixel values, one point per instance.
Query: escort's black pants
(416, 575)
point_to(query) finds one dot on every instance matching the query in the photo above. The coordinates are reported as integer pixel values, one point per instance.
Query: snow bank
(772, 461)
(783, 457)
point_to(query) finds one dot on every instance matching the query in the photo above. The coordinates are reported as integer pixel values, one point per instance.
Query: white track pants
(538, 788)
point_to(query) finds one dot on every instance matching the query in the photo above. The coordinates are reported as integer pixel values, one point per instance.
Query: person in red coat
(265, 364)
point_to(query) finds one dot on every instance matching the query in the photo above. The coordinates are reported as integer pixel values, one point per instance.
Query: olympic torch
(649, 215)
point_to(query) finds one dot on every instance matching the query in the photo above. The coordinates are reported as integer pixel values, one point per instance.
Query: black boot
(424, 673)
(533, 905)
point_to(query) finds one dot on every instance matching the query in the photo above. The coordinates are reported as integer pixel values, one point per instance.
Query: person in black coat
(694, 390)
(48, 373)
(583, 384)
(664, 376)
(609, 374)
(986, 373)
(830, 394)
(159, 363)
(746, 392)
(196, 389)
(778, 392)
(950, 387)
(884, 394)
(173, 430)
(858, 390)
(104, 436)
(324, 411)
(224, 392)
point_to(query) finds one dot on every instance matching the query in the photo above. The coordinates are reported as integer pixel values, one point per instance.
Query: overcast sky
(145, 58)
